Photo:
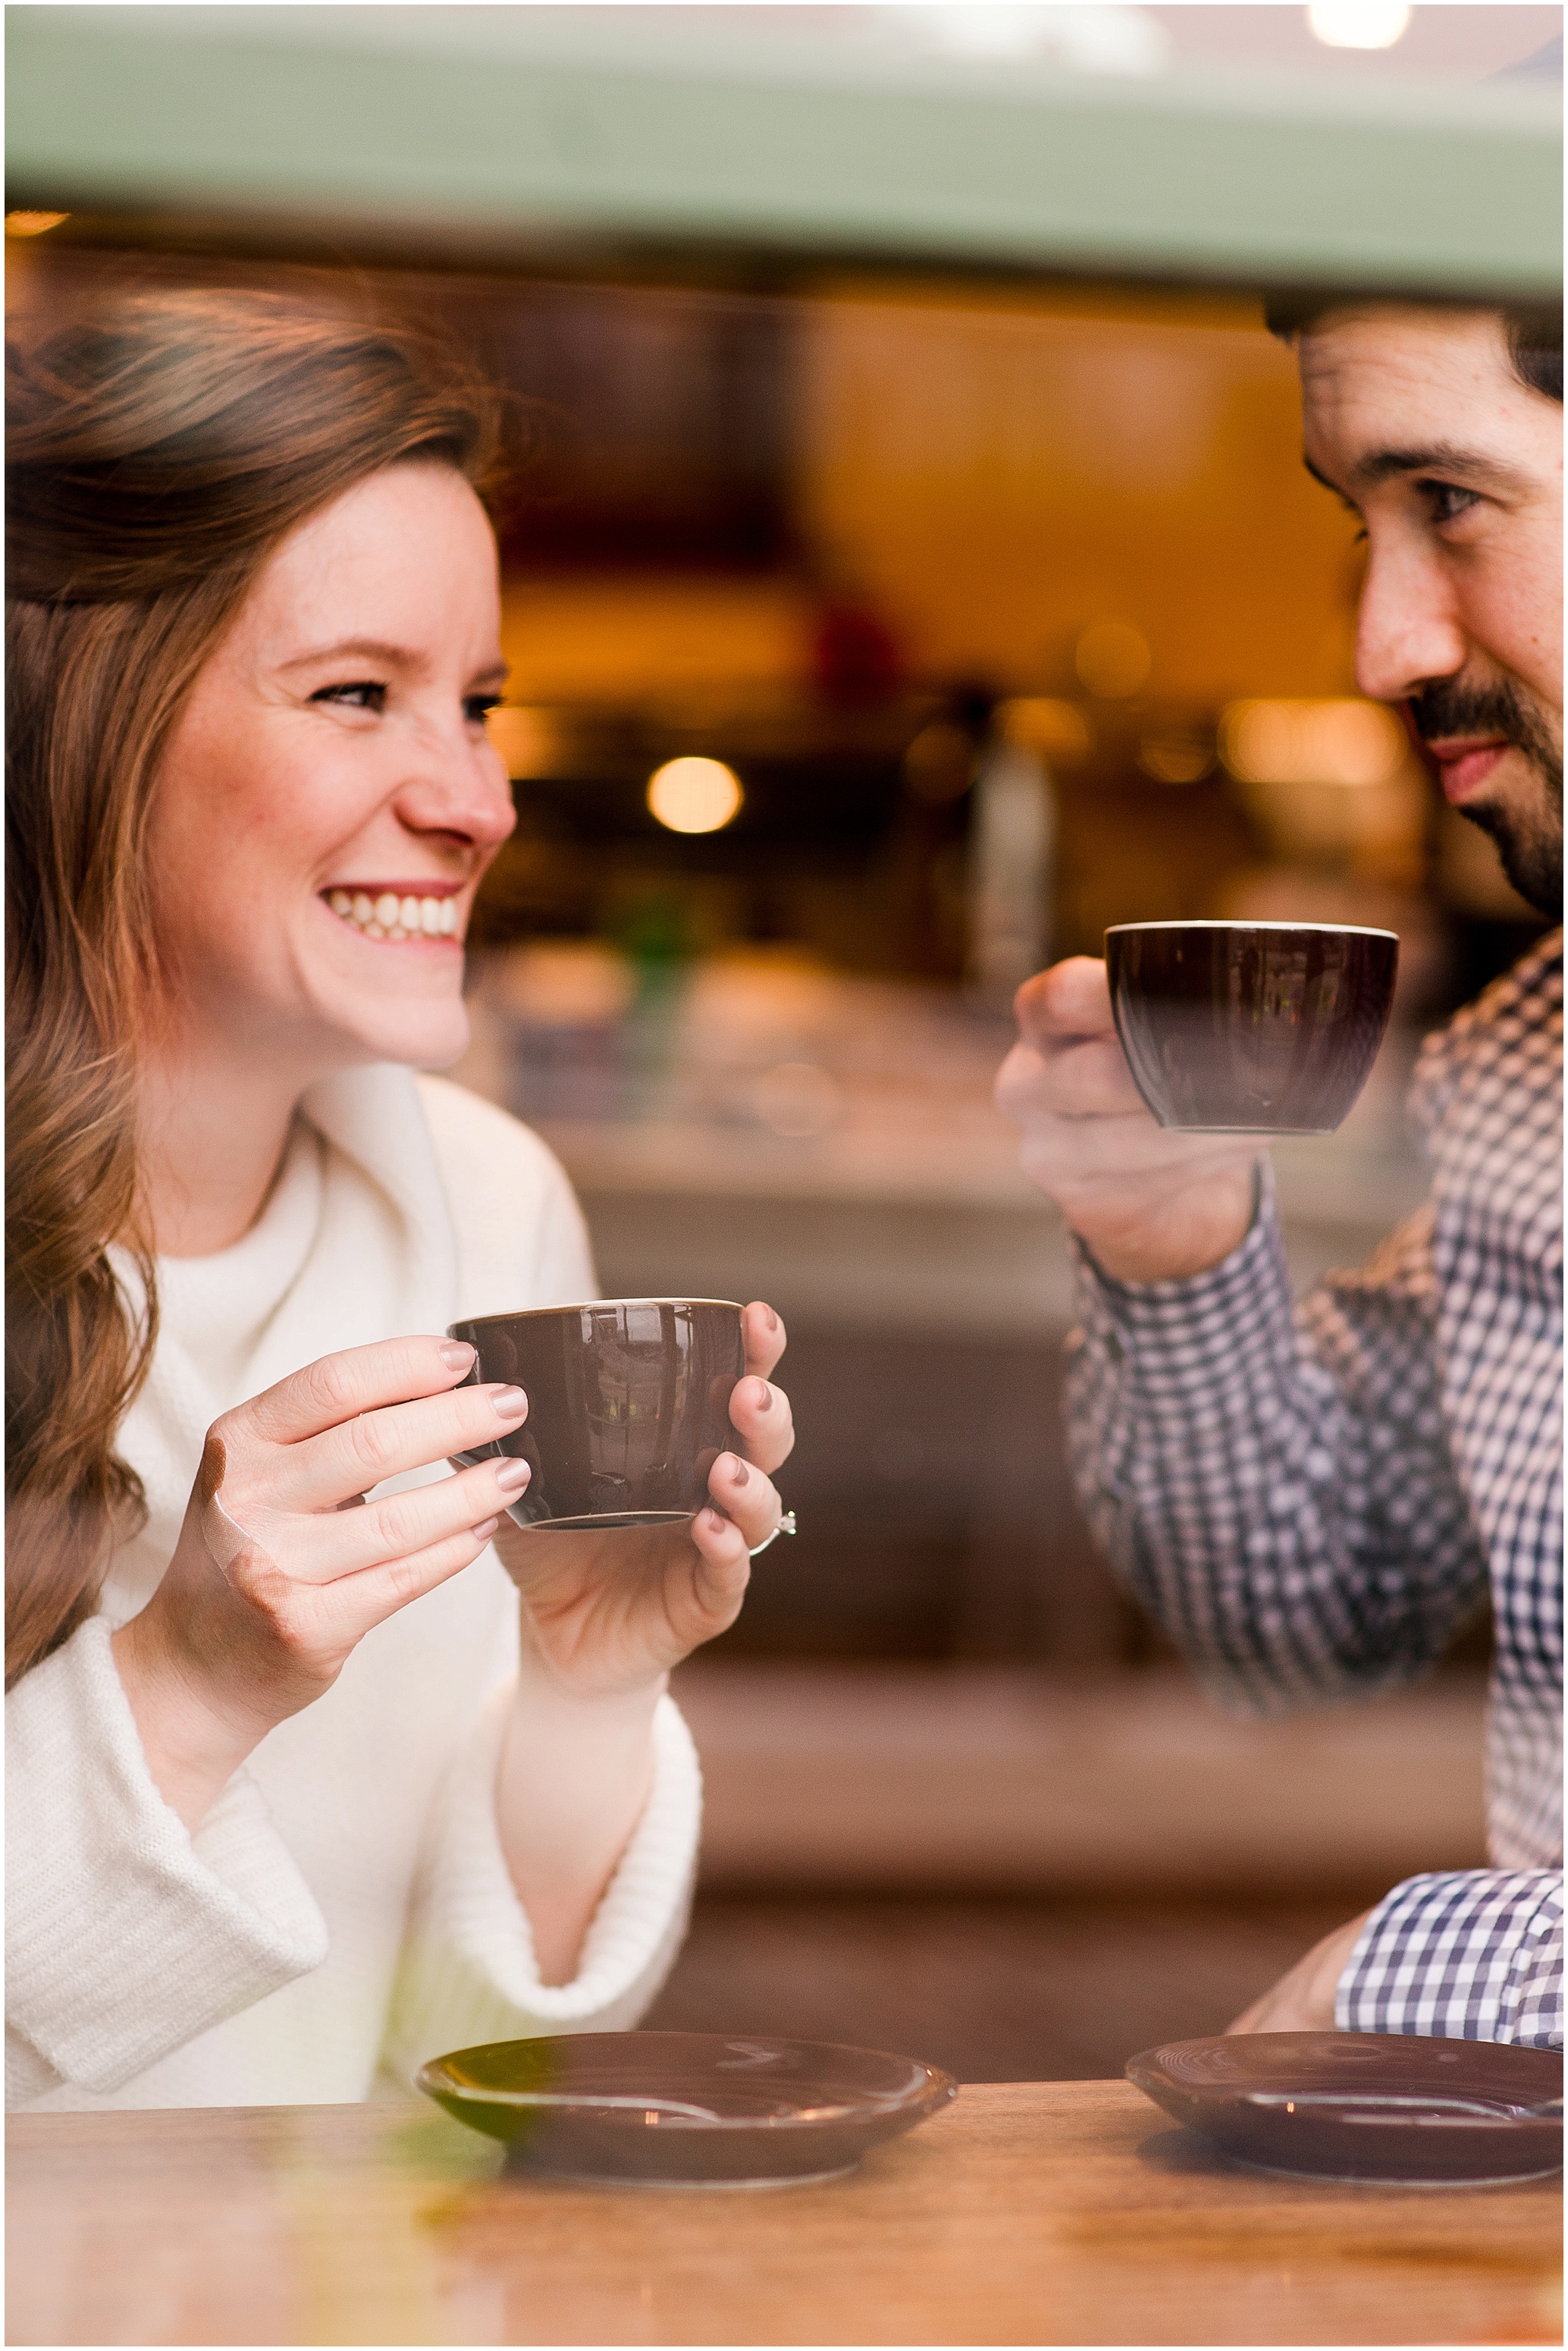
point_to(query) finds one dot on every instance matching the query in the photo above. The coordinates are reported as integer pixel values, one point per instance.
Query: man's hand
(1154, 1206)
(1303, 2000)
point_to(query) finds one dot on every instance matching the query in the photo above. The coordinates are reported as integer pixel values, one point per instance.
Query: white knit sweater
(345, 1910)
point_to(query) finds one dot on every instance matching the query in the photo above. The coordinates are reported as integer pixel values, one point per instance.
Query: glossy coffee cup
(628, 1405)
(1250, 1027)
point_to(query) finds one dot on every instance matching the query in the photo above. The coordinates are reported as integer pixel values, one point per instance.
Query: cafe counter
(1061, 2212)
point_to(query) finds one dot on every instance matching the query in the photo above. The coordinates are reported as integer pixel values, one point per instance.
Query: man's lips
(1464, 766)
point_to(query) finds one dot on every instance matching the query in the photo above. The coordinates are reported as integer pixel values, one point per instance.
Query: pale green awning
(506, 123)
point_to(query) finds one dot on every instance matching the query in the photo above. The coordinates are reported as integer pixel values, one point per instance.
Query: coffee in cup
(1250, 1027)
(628, 1405)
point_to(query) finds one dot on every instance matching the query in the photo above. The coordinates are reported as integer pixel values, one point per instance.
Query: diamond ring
(786, 1526)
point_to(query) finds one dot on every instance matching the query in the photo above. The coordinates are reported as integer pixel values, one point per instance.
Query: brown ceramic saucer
(1401, 2108)
(683, 2109)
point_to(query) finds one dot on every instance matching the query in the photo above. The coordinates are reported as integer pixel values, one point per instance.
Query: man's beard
(1529, 841)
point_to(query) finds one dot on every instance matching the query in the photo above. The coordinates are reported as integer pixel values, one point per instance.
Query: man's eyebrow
(1447, 457)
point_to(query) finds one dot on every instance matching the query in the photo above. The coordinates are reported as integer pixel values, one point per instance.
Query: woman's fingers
(319, 1472)
(350, 1605)
(764, 1333)
(743, 1495)
(336, 1387)
(760, 1413)
(321, 1547)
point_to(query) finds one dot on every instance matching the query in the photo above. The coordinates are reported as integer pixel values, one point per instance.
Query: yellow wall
(1002, 475)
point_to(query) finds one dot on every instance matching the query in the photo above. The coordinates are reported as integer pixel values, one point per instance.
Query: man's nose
(1407, 629)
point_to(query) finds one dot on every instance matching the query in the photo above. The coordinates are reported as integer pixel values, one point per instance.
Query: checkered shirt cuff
(1465, 1955)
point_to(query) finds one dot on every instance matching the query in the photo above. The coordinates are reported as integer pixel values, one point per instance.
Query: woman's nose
(467, 792)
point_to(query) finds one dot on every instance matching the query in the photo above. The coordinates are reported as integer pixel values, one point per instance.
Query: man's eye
(477, 707)
(361, 694)
(1446, 502)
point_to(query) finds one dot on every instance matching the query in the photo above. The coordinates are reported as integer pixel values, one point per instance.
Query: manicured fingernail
(739, 1473)
(509, 1402)
(511, 1476)
(765, 1401)
(716, 1522)
(772, 1319)
(457, 1353)
(485, 1530)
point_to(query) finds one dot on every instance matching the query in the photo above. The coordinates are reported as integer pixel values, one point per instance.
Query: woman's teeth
(394, 918)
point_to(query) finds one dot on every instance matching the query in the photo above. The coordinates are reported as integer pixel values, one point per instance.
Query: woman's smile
(397, 913)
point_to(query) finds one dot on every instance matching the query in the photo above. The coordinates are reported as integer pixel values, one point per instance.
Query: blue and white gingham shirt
(1311, 1499)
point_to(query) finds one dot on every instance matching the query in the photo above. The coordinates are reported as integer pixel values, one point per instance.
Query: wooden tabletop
(1027, 2212)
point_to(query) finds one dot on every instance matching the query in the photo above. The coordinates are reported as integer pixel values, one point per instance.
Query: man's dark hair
(1534, 330)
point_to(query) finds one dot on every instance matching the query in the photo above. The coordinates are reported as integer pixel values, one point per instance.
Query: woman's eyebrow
(373, 649)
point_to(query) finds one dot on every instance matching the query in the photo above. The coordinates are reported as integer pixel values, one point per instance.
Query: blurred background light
(693, 795)
(797, 1098)
(32, 223)
(1311, 742)
(1359, 24)
(1108, 37)
(526, 739)
(1185, 757)
(1112, 660)
(1057, 730)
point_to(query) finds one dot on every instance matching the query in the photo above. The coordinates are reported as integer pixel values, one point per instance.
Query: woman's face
(330, 801)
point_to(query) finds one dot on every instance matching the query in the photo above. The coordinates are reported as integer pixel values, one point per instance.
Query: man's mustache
(1449, 709)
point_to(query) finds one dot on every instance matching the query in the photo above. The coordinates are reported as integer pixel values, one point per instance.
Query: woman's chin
(420, 1036)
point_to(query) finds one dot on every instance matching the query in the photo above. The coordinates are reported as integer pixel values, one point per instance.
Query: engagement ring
(786, 1526)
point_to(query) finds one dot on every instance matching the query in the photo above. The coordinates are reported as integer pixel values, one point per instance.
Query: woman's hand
(610, 1613)
(604, 1618)
(1152, 1204)
(277, 1575)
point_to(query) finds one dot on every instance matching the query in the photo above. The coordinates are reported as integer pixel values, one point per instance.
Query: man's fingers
(764, 1333)
(336, 1387)
(1083, 1078)
(316, 1474)
(1071, 999)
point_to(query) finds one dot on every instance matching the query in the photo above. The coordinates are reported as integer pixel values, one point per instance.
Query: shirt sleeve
(1467, 1955)
(1275, 1483)
(126, 1935)
(469, 1974)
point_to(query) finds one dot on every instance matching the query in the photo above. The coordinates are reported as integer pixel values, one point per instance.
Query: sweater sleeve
(126, 1936)
(468, 1973)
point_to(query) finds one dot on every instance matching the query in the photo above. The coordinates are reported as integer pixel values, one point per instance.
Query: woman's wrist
(575, 1773)
(193, 1747)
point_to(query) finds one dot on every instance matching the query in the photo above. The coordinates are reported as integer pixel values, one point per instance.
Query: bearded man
(1312, 1499)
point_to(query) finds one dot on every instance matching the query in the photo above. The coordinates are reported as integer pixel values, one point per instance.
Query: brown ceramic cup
(628, 1405)
(1250, 1027)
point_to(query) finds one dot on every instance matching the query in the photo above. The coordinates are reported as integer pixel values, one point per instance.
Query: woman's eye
(361, 694)
(477, 707)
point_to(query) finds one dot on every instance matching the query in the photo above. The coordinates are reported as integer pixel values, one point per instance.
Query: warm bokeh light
(693, 795)
(32, 223)
(526, 739)
(1181, 757)
(1358, 24)
(1058, 730)
(1311, 742)
(1112, 658)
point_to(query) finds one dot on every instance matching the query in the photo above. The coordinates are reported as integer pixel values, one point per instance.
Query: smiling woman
(303, 1792)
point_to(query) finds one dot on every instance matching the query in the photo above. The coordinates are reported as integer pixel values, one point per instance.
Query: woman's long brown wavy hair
(159, 448)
